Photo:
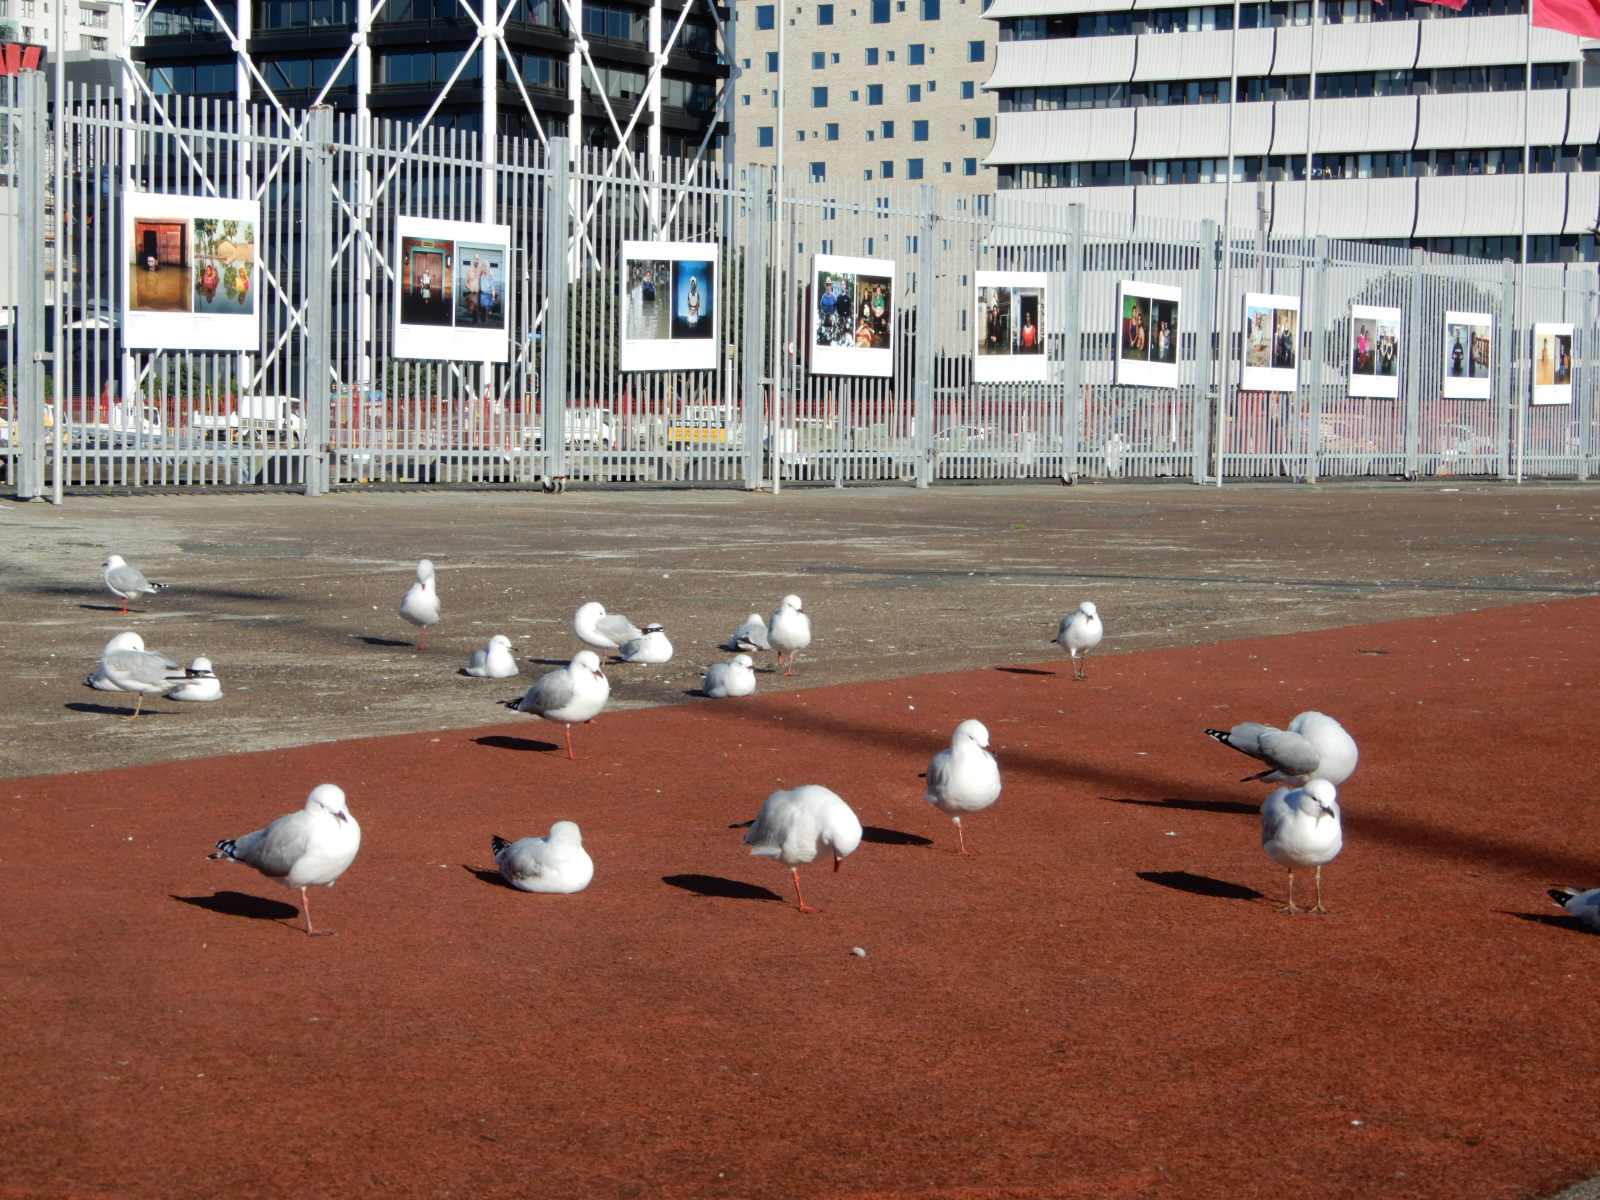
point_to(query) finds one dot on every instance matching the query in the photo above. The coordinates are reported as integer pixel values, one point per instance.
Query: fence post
(1586, 379)
(1210, 340)
(927, 322)
(1505, 373)
(756, 326)
(557, 260)
(1072, 347)
(318, 367)
(29, 397)
(1319, 337)
(1411, 329)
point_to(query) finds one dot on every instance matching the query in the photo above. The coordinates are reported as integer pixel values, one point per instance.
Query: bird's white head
(500, 642)
(1088, 609)
(125, 641)
(425, 570)
(792, 602)
(566, 832)
(587, 660)
(1325, 796)
(971, 731)
(113, 560)
(201, 666)
(743, 660)
(330, 799)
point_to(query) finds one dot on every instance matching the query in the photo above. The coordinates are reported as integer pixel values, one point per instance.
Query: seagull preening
(1080, 633)
(751, 636)
(420, 605)
(737, 677)
(125, 582)
(964, 778)
(309, 848)
(494, 661)
(143, 672)
(650, 647)
(98, 679)
(556, 864)
(602, 630)
(1585, 905)
(1315, 746)
(200, 683)
(1300, 828)
(793, 827)
(789, 631)
(570, 694)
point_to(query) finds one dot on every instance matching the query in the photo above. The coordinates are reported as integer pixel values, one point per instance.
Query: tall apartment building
(87, 27)
(873, 90)
(1401, 123)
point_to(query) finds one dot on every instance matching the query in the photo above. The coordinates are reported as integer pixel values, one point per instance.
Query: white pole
(1225, 319)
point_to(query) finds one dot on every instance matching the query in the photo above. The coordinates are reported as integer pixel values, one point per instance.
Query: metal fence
(332, 397)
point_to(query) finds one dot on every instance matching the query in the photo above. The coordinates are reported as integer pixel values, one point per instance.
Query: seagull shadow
(113, 608)
(237, 904)
(1200, 885)
(1216, 806)
(1025, 671)
(489, 876)
(501, 742)
(1558, 922)
(378, 641)
(549, 662)
(892, 837)
(720, 888)
(119, 711)
(743, 824)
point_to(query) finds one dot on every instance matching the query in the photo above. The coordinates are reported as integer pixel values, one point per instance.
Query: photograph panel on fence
(1147, 333)
(192, 281)
(1010, 329)
(1271, 343)
(852, 315)
(1468, 356)
(669, 306)
(452, 290)
(1552, 363)
(1374, 351)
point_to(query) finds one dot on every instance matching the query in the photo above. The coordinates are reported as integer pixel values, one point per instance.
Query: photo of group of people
(1552, 364)
(852, 316)
(1010, 333)
(1271, 343)
(1147, 333)
(1374, 351)
(191, 273)
(452, 290)
(1467, 355)
(669, 306)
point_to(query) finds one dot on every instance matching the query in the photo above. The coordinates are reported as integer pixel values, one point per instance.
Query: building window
(969, 166)
(819, 97)
(974, 51)
(824, 14)
(819, 172)
(765, 18)
(764, 136)
(886, 169)
(872, 56)
(880, 12)
(916, 54)
(919, 131)
(745, 100)
(832, 131)
(772, 62)
(969, 90)
(980, 128)
(819, 59)
(913, 93)
(913, 168)
(874, 93)
(799, 135)
(886, 129)
(948, 167)
(930, 10)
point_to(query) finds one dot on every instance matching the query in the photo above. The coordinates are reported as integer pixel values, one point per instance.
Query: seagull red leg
(961, 837)
(305, 907)
(800, 899)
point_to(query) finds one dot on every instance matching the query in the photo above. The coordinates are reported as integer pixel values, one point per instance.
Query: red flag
(1581, 17)
(1458, 5)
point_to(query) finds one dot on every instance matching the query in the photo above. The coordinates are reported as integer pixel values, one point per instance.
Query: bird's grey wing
(716, 678)
(274, 850)
(127, 579)
(1274, 812)
(1288, 753)
(548, 692)
(752, 635)
(1245, 738)
(618, 628)
(143, 666)
(939, 772)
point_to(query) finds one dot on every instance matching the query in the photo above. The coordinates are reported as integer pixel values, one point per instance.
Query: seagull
(1315, 746)
(603, 630)
(575, 692)
(1585, 905)
(737, 677)
(127, 583)
(1300, 828)
(200, 683)
(494, 661)
(964, 778)
(556, 863)
(143, 672)
(421, 603)
(794, 826)
(789, 631)
(651, 647)
(752, 635)
(1080, 633)
(123, 641)
(304, 849)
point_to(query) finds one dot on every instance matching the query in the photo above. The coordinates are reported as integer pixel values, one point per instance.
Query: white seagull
(569, 694)
(125, 582)
(789, 631)
(650, 647)
(736, 677)
(1080, 632)
(793, 827)
(123, 641)
(1300, 828)
(1315, 746)
(199, 684)
(965, 778)
(420, 605)
(494, 661)
(142, 672)
(1585, 905)
(556, 863)
(750, 636)
(309, 848)
(602, 630)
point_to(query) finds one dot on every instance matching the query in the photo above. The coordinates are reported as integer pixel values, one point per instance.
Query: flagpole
(1311, 125)
(1522, 394)
(1225, 323)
